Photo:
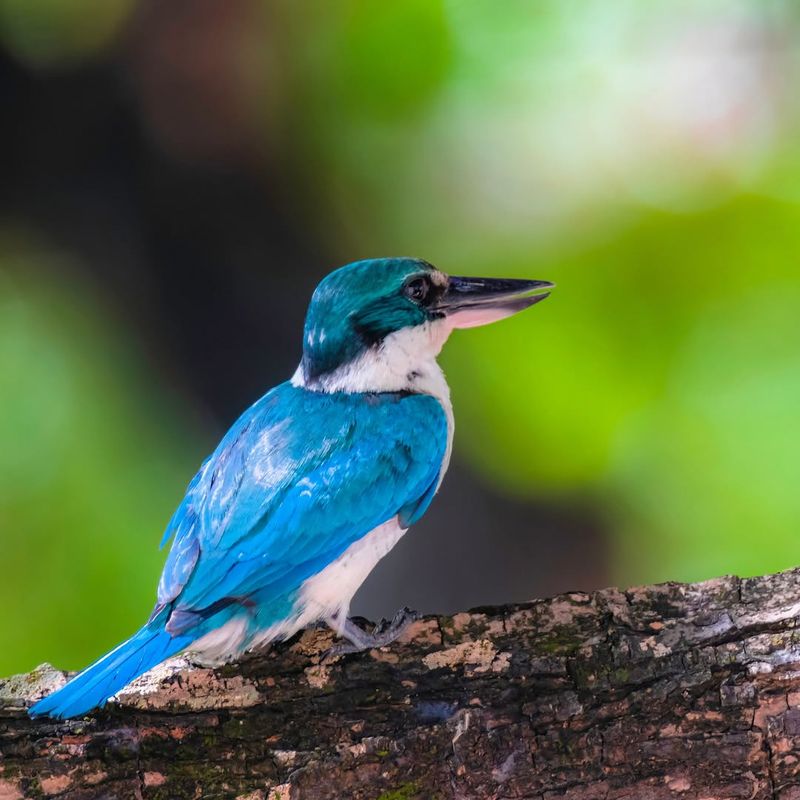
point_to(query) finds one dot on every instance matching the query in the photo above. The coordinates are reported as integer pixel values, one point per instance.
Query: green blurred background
(175, 177)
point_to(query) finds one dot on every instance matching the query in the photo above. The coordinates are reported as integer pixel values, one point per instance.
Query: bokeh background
(176, 176)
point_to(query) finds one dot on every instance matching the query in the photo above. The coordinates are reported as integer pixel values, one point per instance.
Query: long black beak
(478, 301)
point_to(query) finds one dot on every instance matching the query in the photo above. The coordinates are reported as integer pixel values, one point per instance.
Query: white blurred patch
(595, 107)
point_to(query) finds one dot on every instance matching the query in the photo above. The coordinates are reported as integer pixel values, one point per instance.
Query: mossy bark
(688, 691)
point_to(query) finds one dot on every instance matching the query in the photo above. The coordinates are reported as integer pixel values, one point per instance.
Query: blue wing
(298, 478)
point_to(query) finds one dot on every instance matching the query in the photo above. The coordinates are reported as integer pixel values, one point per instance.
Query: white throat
(404, 361)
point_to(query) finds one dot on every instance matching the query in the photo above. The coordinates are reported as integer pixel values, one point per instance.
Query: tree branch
(689, 691)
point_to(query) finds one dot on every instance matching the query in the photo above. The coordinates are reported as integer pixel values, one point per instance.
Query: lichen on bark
(676, 690)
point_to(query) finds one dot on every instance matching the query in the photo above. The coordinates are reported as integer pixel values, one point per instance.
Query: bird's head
(383, 315)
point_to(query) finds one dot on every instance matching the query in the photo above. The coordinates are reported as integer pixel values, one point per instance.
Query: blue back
(297, 479)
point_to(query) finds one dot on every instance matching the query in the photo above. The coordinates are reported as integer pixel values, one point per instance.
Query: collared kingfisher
(317, 481)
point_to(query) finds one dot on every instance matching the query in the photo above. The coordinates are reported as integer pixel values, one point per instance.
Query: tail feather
(91, 688)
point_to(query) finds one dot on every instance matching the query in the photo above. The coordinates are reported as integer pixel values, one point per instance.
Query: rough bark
(689, 691)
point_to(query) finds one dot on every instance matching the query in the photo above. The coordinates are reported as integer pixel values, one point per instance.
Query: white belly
(329, 592)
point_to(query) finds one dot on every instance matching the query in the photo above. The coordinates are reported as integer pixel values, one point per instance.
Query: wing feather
(298, 478)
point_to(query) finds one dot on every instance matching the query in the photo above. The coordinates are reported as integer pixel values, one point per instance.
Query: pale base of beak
(486, 313)
(475, 317)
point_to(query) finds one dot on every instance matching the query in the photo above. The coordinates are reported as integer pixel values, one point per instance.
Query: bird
(314, 483)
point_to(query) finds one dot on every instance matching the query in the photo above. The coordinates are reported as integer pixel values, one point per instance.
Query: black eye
(417, 289)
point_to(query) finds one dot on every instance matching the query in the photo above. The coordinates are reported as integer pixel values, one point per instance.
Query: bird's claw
(358, 640)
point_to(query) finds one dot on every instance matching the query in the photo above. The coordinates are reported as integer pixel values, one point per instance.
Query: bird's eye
(417, 289)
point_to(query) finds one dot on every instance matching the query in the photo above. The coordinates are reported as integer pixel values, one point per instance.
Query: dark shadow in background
(202, 264)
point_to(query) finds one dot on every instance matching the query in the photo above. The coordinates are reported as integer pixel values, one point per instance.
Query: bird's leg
(384, 633)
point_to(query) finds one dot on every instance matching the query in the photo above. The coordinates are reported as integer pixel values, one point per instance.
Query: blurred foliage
(646, 157)
(51, 32)
(90, 467)
(663, 377)
(645, 160)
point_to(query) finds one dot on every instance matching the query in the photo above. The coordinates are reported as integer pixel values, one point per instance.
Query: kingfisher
(315, 482)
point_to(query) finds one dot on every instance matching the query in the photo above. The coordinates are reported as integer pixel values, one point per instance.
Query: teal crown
(357, 306)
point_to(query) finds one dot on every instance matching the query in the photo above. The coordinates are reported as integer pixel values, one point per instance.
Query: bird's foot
(358, 640)
(203, 660)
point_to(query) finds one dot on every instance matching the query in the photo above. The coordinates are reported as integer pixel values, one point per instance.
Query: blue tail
(91, 688)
